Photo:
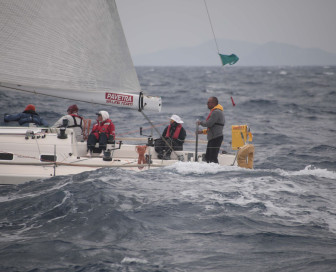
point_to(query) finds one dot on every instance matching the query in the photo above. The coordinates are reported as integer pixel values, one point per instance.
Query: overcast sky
(152, 25)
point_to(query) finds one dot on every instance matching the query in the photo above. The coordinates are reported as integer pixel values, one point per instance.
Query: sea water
(280, 216)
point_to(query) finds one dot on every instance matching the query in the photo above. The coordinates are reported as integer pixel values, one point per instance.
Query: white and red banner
(119, 99)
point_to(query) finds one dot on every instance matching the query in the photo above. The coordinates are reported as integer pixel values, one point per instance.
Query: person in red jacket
(101, 132)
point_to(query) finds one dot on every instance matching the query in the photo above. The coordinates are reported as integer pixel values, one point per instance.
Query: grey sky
(152, 25)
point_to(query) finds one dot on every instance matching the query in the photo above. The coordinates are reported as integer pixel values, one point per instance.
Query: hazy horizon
(154, 25)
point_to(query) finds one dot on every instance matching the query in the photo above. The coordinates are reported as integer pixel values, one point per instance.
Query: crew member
(74, 121)
(101, 132)
(214, 123)
(174, 135)
(26, 118)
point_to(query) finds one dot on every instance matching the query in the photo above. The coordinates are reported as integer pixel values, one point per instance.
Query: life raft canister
(245, 156)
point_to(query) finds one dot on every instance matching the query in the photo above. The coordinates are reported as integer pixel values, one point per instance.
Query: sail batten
(63, 45)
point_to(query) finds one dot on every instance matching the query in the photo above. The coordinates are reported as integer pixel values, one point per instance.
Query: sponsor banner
(119, 99)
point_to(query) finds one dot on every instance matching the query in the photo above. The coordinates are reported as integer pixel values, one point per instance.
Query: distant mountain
(250, 54)
(273, 53)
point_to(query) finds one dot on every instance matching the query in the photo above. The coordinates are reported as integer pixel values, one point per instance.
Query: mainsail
(71, 49)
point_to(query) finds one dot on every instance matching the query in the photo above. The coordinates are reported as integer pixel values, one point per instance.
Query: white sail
(71, 49)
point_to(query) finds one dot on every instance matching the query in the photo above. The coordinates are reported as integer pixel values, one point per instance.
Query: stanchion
(196, 143)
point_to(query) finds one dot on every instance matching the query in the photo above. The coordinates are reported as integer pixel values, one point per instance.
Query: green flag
(228, 59)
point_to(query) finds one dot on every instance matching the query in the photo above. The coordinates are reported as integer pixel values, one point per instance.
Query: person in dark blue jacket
(29, 115)
(172, 138)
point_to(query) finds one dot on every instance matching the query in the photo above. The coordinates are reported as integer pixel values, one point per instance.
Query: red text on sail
(119, 99)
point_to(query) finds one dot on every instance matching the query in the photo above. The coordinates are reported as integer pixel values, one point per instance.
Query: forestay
(71, 49)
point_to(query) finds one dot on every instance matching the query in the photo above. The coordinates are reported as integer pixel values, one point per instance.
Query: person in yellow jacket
(214, 124)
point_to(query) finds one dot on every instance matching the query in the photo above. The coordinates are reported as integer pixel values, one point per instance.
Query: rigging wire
(213, 32)
(225, 59)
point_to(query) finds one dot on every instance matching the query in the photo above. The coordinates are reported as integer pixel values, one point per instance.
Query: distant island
(250, 54)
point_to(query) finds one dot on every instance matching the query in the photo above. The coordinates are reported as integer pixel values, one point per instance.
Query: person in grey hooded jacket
(74, 121)
(214, 124)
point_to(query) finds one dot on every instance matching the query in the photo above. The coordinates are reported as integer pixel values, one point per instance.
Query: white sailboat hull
(33, 153)
(75, 50)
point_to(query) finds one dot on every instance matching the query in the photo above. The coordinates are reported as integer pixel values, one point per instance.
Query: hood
(218, 107)
(105, 115)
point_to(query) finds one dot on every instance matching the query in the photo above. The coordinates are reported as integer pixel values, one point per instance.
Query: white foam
(201, 168)
(208, 91)
(67, 196)
(311, 171)
(329, 73)
(129, 260)
(12, 197)
(331, 222)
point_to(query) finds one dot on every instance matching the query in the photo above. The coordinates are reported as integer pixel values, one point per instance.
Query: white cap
(177, 119)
